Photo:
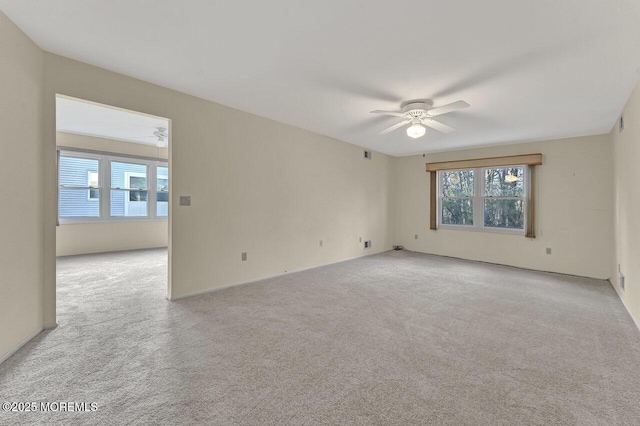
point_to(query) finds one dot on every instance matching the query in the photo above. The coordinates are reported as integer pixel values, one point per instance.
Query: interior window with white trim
(129, 193)
(491, 199)
(457, 197)
(137, 189)
(79, 188)
(162, 195)
(504, 197)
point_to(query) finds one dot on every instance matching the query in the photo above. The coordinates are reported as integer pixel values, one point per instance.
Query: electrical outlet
(622, 281)
(367, 244)
(416, 236)
(360, 239)
(548, 250)
(244, 256)
(367, 155)
(321, 243)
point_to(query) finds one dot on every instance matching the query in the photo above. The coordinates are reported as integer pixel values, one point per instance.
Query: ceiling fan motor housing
(416, 109)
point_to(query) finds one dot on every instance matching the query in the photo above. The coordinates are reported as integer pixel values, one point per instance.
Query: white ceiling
(531, 70)
(89, 118)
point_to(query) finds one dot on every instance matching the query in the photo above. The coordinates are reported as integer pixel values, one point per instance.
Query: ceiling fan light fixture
(416, 131)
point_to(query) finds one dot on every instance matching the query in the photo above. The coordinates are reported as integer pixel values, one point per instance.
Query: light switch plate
(185, 200)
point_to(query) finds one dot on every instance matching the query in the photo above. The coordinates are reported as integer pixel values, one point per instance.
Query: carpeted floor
(396, 338)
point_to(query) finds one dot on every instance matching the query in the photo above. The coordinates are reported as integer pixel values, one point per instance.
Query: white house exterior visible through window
(103, 187)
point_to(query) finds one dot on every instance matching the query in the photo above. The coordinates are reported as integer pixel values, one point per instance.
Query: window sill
(483, 229)
(96, 221)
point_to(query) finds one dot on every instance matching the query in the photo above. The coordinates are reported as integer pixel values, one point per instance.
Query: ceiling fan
(419, 114)
(160, 134)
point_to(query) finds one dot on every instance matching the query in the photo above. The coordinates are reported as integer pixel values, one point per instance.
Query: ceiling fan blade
(393, 113)
(448, 108)
(394, 127)
(437, 125)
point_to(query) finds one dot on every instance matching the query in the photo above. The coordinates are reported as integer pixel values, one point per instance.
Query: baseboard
(508, 266)
(112, 251)
(211, 290)
(21, 344)
(636, 322)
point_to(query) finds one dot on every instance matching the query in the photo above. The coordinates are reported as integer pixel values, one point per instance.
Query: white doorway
(113, 179)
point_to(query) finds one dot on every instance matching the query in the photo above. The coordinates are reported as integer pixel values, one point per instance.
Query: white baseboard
(211, 290)
(508, 266)
(635, 321)
(114, 251)
(21, 344)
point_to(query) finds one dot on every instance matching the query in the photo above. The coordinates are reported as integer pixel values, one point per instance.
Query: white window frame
(104, 186)
(478, 202)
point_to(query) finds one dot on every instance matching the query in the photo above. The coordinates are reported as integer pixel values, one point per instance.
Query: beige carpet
(396, 338)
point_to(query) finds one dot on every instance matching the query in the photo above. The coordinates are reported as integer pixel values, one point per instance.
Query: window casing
(492, 199)
(97, 187)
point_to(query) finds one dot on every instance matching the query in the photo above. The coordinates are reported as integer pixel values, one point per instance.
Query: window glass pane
(457, 211)
(457, 183)
(75, 171)
(163, 179)
(128, 203)
(92, 180)
(162, 198)
(162, 204)
(75, 203)
(500, 213)
(504, 182)
(129, 176)
(82, 172)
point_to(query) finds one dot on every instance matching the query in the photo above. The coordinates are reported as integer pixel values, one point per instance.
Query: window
(457, 189)
(125, 177)
(162, 191)
(492, 198)
(78, 192)
(130, 183)
(504, 198)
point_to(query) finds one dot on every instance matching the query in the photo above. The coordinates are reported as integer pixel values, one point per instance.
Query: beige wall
(82, 238)
(573, 202)
(258, 186)
(110, 236)
(626, 146)
(21, 269)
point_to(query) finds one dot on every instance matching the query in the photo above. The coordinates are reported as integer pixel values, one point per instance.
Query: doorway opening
(113, 200)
